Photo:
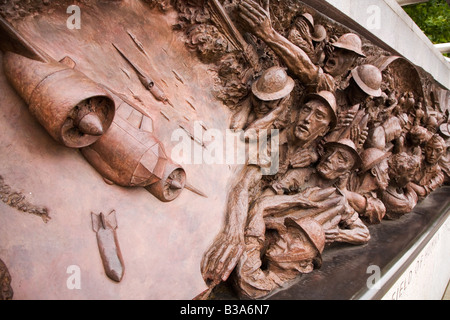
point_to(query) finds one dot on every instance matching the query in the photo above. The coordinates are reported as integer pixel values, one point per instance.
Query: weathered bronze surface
(124, 112)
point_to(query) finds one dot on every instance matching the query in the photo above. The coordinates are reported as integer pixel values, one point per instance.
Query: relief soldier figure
(346, 50)
(365, 82)
(358, 143)
(269, 102)
(310, 37)
(315, 118)
(399, 197)
(362, 176)
(430, 175)
(303, 220)
(364, 188)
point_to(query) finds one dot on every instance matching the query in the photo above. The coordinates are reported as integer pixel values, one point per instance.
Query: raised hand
(257, 18)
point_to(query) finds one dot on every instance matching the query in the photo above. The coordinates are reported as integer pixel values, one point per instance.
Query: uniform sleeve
(435, 182)
(375, 209)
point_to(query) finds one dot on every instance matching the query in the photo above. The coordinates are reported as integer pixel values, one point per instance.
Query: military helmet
(351, 42)
(273, 84)
(319, 34)
(329, 99)
(348, 145)
(313, 230)
(368, 78)
(371, 157)
(309, 19)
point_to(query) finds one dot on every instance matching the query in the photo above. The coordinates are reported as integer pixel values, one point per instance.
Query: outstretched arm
(258, 22)
(223, 255)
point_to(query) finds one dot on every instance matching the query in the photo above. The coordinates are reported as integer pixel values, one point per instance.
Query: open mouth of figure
(303, 129)
(331, 63)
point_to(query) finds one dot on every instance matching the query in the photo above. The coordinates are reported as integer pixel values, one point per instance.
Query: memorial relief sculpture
(356, 136)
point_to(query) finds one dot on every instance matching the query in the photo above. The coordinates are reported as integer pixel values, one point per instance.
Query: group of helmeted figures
(348, 157)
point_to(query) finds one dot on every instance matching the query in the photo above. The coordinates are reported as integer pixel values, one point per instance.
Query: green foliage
(433, 18)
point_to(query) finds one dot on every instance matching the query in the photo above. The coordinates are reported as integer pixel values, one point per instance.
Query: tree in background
(433, 18)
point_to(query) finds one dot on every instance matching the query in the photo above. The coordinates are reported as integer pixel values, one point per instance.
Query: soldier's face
(433, 153)
(262, 107)
(313, 120)
(336, 162)
(339, 62)
(381, 173)
(403, 177)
